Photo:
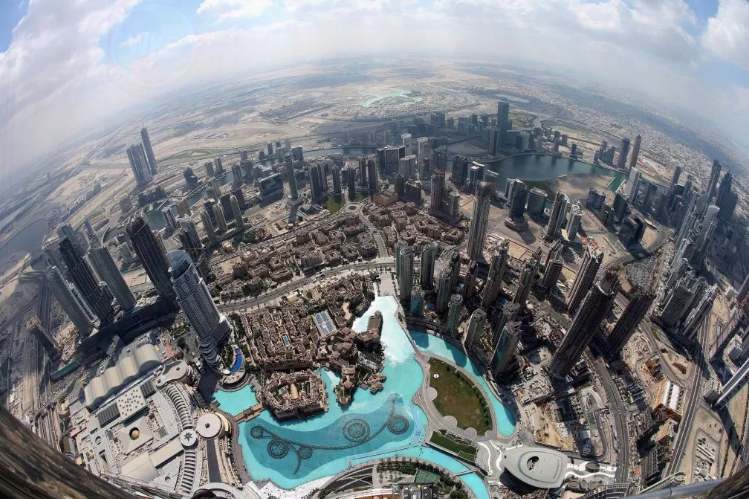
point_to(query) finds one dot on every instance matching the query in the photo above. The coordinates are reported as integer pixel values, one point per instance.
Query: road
(619, 412)
(285, 289)
(694, 389)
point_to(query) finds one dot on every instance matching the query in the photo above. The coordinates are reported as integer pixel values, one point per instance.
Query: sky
(69, 65)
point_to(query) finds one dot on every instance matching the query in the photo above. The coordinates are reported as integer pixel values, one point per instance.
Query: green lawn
(332, 205)
(522, 120)
(459, 397)
(466, 451)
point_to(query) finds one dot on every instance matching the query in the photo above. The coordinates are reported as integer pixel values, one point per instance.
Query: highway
(694, 391)
(619, 412)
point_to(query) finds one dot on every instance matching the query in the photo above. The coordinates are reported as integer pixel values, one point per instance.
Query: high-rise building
(679, 298)
(64, 296)
(218, 165)
(575, 223)
(460, 168)
(635, 152)
(551, 275)
(506, 345)
(186, 224)
(218, 215)
(713, 182)
(519, 192)
(698, 314)
(585, 277)
(148, 150)
(363, 184)
(107, 270)
(632, 184)
(238, 220)
(631, 317)
(150, 250)
(428, 259)
(139, 164)
(503, 122)
(585, 324)
(86, 283)
(733, 385)
(372, 177)
(479, 222)
(497, 267)
(453, 314)
(622, 163)
(210, 232)
(469, 283)
(557, 217)
(454, 267)
(526, 281)
(475, 328)
(236, 176)
(195, 300)
(443, 291)
(404, 269)
(337, 186)
(317, 181)
(291, 175)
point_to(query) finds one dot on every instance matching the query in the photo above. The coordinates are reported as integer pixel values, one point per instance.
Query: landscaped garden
(459, 397)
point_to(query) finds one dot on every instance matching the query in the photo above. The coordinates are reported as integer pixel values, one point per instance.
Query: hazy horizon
(67, 66)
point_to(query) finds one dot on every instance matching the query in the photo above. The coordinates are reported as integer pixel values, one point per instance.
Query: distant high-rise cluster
(142, 159)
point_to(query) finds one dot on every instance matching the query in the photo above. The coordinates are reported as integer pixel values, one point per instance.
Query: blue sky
(80, 62)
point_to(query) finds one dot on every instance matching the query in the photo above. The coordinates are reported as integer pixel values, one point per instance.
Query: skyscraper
(517, 201)
(237, 179)
(317, 184)
(107, 270)
(497, 267)
(503, 122)
(631, 317)
(238, 220)
(337, 187)
(218, 215)
(372, 178)
(208, 227)
(713, 182)
(622, 163)
(62, 293)
(363, 185)
(139, 164)
(404, 269)
(551, 275)
(428, 258)
(291, 176)
(698, 313)
(86, 283)
(587, 320)
(454, 267)
(585, 277)
(443, 291)
(150, 250)
(195, 300)
(186, 224)
(475, 328)
(507, 344)
(526, 282)
(469, 283)
(453, 314)
(218, 165)
(557, 217)
(148, 150)
(632, 184)
(479, 222)
(635, 152)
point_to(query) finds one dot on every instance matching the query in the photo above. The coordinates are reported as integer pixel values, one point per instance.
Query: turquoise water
(441, 348)
(374, 426)
(236, 402)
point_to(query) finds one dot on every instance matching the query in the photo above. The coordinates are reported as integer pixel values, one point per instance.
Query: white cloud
(225, 10)
(134, 40)
(727, 34)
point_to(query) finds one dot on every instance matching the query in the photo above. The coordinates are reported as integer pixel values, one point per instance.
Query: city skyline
(698, 45)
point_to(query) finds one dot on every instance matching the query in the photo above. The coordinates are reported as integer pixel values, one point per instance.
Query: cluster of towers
(142, 159)
(96, 282)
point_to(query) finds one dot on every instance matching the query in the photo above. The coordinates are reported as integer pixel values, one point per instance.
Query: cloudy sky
(66, 65)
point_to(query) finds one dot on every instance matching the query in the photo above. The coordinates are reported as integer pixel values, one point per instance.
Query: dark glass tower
(150, 250)
(84, 280)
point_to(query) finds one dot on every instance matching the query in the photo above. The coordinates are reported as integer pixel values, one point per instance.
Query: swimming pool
(385, 424)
